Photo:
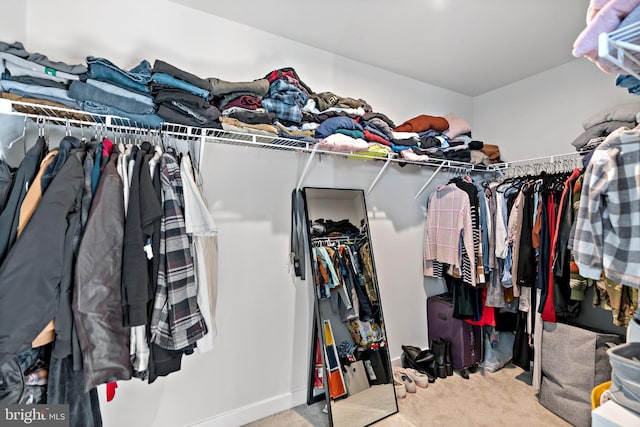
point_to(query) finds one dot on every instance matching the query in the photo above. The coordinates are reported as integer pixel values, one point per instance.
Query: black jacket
(11, 214)
(97, 295)
(31, 273)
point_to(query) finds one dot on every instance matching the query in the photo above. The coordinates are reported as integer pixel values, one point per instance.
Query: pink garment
(414, 157)
(448, 220)
(604, 20)
(342, 143)
(107, 147)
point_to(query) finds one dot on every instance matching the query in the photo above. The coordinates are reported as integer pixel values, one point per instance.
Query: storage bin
(625, 375)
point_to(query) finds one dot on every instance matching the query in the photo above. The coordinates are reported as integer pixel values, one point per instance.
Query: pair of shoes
(441, 349)
(399, 375)
(420, 379)
(420, 360)
(401, 390)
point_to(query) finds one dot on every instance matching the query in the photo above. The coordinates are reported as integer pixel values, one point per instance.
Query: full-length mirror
(357, 369)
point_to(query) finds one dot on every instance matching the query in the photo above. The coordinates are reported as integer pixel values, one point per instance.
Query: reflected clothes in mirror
(337, 278)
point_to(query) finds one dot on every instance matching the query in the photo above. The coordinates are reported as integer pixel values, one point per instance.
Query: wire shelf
(622, 48)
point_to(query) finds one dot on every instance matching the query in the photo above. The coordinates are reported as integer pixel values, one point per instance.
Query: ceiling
(467, 46)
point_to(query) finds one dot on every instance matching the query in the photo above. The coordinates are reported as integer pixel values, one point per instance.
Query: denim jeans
(66, 386)
(127, 119)
(628, 82)
(117, 90)
(84, 92)
(168, 80)
(137, 78)
(61, 96)
(185, 116)
(166, 68)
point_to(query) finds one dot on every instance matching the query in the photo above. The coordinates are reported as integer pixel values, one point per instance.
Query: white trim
(256, 410)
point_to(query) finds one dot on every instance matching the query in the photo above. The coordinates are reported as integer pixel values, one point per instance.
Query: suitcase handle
(442, 316)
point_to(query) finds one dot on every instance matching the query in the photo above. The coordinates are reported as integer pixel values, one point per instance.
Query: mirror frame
(319, 327)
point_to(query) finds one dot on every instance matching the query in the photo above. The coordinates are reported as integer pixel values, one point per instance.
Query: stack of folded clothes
(113, 91)
(32, 77)
(601, 124)
(241, 105)
(182, 97)
(325, 105)
(341, 134)
(427, 137)
(286, 97)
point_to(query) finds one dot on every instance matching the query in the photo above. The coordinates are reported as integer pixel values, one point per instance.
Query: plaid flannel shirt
(285, 101)
(176, 321)
(607, 235)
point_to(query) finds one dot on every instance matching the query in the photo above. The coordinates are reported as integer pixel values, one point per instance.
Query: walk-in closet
(332, 214)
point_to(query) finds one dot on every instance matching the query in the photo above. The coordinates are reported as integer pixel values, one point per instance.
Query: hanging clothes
(36, 263)
(10, 216)
(97, 302)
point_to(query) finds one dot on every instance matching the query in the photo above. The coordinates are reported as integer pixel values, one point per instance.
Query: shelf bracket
(375, 181)
(306, 166)
(429, 181)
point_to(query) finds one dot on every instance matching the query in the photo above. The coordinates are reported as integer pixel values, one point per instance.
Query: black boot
(417, 355)
(438, 350)
(447, 357)
(425, 368)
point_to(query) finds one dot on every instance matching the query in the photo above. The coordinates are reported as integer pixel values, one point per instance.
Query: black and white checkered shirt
(608, 225)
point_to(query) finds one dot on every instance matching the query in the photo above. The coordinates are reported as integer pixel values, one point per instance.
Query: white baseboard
(263, 408)
(397, 361)
(256, 410)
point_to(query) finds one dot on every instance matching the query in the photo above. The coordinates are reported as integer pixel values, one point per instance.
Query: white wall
(13, 26)
(259, 363)
(541, 115)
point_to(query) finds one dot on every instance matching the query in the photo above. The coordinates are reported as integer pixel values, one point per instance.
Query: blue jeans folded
(127, 119)
(84, 92)
(61, 96)
(628, 82)
(160, 66)
(167, 80)
(137, 78)
(120, 91)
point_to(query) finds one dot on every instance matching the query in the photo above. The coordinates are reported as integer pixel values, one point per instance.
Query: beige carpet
(501, 398)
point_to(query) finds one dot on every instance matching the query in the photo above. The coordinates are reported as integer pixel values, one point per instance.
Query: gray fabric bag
(574, 361)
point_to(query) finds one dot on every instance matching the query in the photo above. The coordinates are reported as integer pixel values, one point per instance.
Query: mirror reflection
(357, 369)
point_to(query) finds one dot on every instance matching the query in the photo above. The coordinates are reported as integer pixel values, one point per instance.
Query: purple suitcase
(466, 340)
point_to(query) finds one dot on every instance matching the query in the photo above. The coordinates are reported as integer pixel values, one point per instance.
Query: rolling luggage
(466, 340)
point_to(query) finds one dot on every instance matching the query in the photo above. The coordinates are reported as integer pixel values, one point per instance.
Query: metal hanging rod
(68, 117)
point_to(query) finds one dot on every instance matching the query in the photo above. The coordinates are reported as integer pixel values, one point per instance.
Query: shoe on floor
(420, 379)
(401, 390)
(399, 375)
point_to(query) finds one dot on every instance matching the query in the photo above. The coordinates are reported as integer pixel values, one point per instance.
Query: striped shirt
(607, 233)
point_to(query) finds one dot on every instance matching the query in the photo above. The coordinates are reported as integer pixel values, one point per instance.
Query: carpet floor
(502, 398)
